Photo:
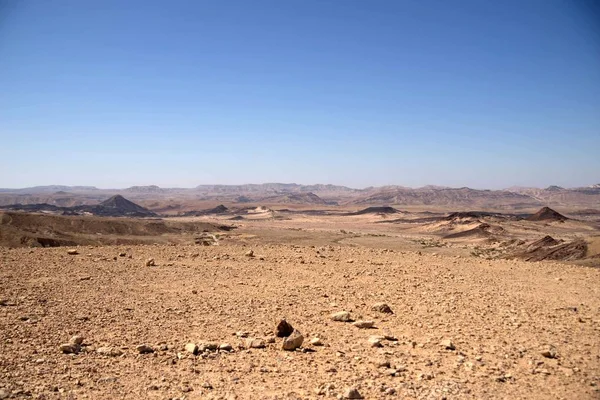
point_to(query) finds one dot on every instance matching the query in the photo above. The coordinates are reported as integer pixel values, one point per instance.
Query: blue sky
(179, 93)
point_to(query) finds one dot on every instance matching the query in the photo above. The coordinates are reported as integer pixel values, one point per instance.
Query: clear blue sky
(479, 93)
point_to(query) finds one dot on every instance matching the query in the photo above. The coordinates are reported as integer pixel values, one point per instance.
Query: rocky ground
(200, 322)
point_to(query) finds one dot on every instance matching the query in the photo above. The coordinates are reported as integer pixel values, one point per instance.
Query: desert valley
(285, 291)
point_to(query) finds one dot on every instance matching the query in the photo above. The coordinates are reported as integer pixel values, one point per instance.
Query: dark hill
(220, 209)
(119, 206)
(547, 214)
(376, 210)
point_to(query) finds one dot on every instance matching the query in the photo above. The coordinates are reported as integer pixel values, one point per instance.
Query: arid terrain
(410, 301)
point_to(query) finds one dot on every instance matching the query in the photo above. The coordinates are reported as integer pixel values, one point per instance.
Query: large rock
(293, 341)
(283, 329)
(191, 348)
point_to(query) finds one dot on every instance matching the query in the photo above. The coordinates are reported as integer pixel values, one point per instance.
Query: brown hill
(23, 229)
(547, 214)
(483, 230)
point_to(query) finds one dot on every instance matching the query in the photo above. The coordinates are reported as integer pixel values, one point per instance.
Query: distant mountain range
(154, 197)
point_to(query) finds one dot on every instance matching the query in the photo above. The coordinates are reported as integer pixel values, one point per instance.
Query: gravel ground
(461, 328)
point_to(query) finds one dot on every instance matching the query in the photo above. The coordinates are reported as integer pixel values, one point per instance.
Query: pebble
(69, 348)
(150, 262)
(144, 349)
(341, 316)
(283, 329)
(77, 339)
(363, 324)
(352, 393)
(316, 341)
(550, 352)
(72, 252)
(109, 351)
(250, 253)
(209, 346)
(293, 341)
(254, 343)
(382, 307)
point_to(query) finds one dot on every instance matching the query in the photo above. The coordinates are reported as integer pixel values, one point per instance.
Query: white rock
(341, 316)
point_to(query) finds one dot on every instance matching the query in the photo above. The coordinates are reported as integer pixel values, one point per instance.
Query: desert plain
(379, 302)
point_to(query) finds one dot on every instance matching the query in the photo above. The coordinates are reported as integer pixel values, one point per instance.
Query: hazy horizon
(289, 183)
(460, 94)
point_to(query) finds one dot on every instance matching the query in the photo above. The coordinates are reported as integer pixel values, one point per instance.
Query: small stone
(77, 339)
(254, 343)
(207, 385)
(316, 341)
(341, 316)
(382, 307)
(122, 254)
(70, 348)
(191, 348)
(144, 349)
(352, 393)
(72, 252)
(283, 329)
(225, 347)
(109, 351)
(549, 352)
(208, 346)
(447, 344)
(390, 391)
(150, 262)
(375, 340)
(382, 364)
(363, 324)
(250, 253)
(293, 341)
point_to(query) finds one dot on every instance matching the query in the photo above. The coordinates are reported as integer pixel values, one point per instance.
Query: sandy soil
(518, 330)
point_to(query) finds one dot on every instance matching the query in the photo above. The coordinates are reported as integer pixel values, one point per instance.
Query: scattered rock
(316, 341)
(191, 348)
(382, 307)
(363, 324)
(72, 252)
(144, 349)
(375, 340)
(250, 253)
(70, 348)
(77, 339)
(109, 351)
(122, 254)
(341, 316)
(447, 344)
(283, 329)
(254, 343)
(549, 352)
(293, 341)
(225, 347)
(352, 393)
(203, 347)
(150, 262)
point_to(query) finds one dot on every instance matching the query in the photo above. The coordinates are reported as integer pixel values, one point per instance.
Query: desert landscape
(299, 292)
